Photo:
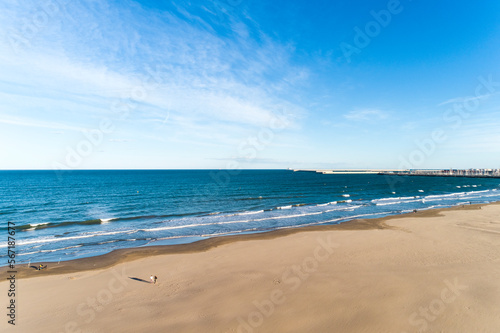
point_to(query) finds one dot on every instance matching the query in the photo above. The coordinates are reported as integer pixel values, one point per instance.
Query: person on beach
(154, 279)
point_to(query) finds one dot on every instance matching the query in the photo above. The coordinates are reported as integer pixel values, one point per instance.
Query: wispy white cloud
(25, 122)
(366, 115)
(462, 100)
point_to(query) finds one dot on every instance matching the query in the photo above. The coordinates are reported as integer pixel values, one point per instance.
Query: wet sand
(432, 270)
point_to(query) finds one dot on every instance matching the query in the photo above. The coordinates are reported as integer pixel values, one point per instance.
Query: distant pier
(469, 173)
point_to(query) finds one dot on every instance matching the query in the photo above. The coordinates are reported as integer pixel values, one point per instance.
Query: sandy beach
(432, 271)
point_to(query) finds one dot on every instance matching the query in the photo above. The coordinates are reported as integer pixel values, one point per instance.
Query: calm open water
(72, 214)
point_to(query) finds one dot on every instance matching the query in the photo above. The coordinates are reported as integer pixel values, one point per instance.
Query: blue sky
(249, 84)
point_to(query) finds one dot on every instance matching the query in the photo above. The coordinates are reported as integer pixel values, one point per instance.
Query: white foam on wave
(475, 192)
(346, 195)
(219, 223)
(287, 216)
(50, 240)
(59, 239)
(442, 196)
(62, 248)
(49, 251)
(454, 195)
(108, 242)
(285, 207)
(335, 220)
(34, 225)
(152, 241)
(249, 213)
(402, 201)
(421, 191)
(188, 226)
(37, 224)
(433, 207)
(247, 221)
(26, 253)
(348, 208)
(203, 235)
(395, 198)
(172, 237)
(490, 195)
(229, 232)
(388, 203)
(396, 202)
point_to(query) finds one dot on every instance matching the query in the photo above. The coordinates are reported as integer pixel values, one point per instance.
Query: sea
(64, 215)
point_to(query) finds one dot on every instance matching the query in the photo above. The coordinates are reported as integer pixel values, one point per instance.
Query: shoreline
(119, 256)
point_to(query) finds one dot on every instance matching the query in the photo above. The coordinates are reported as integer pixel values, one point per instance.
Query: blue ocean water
(72, 214)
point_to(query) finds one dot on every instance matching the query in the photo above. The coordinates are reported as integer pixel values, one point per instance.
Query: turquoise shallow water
(74, 214)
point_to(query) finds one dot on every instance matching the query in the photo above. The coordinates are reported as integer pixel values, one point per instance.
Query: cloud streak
(463, 100)
(366, 115)
(23, 122)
